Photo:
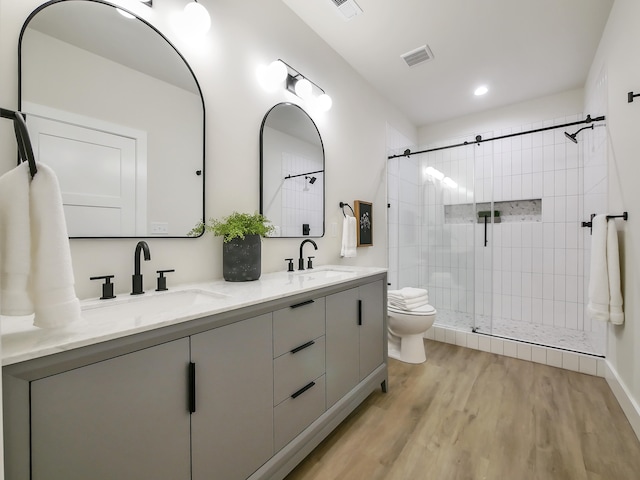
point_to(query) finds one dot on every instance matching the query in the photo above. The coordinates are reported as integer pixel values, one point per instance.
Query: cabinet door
(342, 339)
(125, 418)
(232, 427)
(372, 334)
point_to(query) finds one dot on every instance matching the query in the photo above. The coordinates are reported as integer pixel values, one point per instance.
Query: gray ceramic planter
(241, 259)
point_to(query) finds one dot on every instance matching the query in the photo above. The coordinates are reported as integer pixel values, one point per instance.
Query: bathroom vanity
(217, 380)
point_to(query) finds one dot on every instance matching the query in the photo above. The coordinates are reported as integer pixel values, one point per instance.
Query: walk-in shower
(492, 228)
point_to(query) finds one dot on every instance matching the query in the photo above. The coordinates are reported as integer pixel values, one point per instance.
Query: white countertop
(125, 315)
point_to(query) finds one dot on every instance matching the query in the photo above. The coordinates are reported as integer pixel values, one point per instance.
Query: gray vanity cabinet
(123, 418)
(355, 337)
(232, 426)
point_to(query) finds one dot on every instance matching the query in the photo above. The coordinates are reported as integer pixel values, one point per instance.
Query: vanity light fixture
(278, 71)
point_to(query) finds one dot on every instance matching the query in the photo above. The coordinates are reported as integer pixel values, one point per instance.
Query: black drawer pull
(192, 387)
(359, 312)
(302, 347)
(303, 389)
(308, 302)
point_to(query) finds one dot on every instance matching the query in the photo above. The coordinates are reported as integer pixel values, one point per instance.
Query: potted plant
(241, 247)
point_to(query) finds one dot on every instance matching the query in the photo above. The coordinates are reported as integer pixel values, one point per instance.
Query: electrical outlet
(159, 228)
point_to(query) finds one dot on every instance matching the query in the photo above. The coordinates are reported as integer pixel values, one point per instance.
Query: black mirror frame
(324, 183)
(195, 79)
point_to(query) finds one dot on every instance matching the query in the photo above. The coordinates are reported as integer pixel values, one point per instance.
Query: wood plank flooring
(467, 414)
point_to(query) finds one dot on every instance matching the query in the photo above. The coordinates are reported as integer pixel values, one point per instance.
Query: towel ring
(342, 205)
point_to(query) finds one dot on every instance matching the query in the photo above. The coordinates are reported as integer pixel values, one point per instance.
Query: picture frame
(364, 217)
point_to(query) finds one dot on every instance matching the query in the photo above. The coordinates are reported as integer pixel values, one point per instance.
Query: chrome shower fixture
(572, 136)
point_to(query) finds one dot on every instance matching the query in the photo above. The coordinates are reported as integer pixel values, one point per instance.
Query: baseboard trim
(629, 406)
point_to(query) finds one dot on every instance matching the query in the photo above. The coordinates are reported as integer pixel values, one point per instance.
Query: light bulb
(324, 102)
(276, 72)
(196, 18)
(303, 88)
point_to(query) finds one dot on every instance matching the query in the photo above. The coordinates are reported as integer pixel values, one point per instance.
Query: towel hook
(342, 205)
(25, 150)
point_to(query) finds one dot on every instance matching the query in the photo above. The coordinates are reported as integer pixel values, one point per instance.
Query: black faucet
(136, 278)
(301, 259)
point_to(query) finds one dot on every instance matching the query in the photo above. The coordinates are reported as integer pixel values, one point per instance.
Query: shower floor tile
(550, 336)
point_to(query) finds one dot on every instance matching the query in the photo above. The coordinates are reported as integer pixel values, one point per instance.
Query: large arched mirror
(118, 114)
(292, 172)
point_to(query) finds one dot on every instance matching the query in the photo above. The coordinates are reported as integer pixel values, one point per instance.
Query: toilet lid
(423, 310)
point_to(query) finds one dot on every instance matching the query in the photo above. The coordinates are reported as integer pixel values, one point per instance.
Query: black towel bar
(589, 224)
(342, 205)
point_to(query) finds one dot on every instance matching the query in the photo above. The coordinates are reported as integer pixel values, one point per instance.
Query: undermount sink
(152, 304)
(325, 274)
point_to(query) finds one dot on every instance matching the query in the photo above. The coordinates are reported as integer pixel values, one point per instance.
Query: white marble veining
(125, 315)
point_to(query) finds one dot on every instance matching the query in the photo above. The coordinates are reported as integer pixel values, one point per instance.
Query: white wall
(614, 72)
(243, 35)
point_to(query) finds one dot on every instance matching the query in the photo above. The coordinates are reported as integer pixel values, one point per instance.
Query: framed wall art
(364, 216)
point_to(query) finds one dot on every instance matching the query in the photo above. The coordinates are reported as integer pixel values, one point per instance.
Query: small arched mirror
(118, 114)
(292, 178)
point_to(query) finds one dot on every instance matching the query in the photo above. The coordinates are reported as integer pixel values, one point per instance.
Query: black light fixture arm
(479, 139)
(298, 74)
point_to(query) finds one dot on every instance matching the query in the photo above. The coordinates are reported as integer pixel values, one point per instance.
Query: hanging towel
(598, 306)
(616, 315)
(52, 282)
(349, 233)
(15, 245)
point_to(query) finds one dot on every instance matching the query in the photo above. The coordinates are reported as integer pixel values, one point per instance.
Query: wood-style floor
(467, 414)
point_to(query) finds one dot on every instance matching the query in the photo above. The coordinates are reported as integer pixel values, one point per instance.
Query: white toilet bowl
(406, 330)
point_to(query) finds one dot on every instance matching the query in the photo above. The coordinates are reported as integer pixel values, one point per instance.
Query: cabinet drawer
(291, 371)
(297, 324)
(295, 414)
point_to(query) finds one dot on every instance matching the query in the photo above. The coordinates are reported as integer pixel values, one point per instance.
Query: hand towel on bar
(616, 315)
(52, 282)
(15, 245)
(349, 233)
(598, 305)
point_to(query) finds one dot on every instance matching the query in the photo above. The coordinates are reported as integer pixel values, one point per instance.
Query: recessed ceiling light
(481, 90)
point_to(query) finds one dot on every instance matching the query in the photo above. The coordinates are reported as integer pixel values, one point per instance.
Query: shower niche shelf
(510, 211)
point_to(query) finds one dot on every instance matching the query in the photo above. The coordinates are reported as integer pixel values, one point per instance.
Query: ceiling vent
(348, 8)
(419, 55)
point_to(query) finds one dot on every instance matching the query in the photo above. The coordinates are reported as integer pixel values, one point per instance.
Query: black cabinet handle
(308, 302)
(192, 387)
(302, 347)
(303, 389)
(359, 312)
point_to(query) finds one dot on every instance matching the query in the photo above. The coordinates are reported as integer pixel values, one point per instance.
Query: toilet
(406, 331)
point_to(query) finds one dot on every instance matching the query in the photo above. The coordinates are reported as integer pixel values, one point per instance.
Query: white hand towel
(409, 304)
(407, 293)
(598, 306)
(52, 282)
(616, 315)
(349, 234)
(15, 245)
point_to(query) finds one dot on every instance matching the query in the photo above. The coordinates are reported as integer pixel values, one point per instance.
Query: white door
(103, 186)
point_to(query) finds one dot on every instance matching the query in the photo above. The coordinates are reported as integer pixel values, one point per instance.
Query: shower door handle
(485, 231)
